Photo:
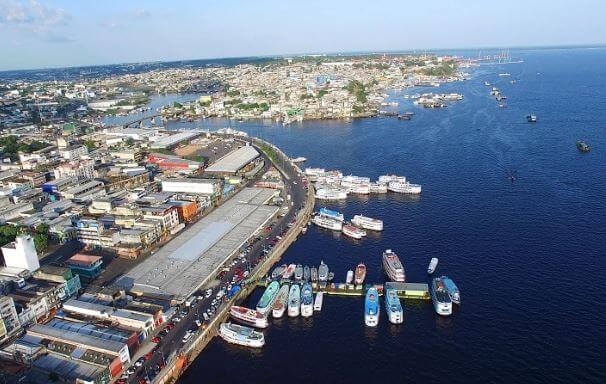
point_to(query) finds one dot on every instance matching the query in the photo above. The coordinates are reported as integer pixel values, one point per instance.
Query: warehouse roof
(234, 161)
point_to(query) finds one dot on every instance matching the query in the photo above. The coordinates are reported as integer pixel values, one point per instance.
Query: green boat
(583, 147)
(267, 300)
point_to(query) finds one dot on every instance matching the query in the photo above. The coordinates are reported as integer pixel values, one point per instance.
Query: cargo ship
(451, 288)
(367, 223)
(371, 308)
(267, 300)
(395, 313)
(393, 266)
(280, 303)
(335, 215)
(325, 222)
(307, 300)
(441, 301)
(353, 232)
(241, 335)
(248, 316)
(433, 264)
(289, 271)
(294, 300)
(360, 274)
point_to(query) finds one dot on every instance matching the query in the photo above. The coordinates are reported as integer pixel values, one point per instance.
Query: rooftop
(199, 251)
(234, 161)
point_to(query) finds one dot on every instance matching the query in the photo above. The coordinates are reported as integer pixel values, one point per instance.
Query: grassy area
(270, 152)
(11, 146)
(357, 89)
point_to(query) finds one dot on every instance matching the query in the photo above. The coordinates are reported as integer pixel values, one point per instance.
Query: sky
(60, 33)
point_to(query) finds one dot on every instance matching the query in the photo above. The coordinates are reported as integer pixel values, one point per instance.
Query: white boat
(432, 265)
(281, 302)
(299, 159)
(404, 187)
(318, 301)
(371, 308)
(360, 189)
(328, 223)
(351, 180)
(331, 194)
(442, 303)
(350, 277)
(378, 188)
(353, 232)
(393, 266)
(367, 223)
(395, 313)
(241, 335)
(323, 272)
(289, 271)
(248, 316)
(307, 300)
(386, 179)
(314, 171)
(294, 300)
(504, 74)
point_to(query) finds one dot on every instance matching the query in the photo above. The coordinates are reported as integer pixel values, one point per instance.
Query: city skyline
(65, 33)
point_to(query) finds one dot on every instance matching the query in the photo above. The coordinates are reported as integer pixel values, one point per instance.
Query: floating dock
(417, 291)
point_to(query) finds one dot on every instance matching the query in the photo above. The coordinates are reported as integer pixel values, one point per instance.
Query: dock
(415, 291)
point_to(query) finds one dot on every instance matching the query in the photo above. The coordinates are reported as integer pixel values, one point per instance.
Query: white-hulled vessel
(393, 266)
(395, 313)
(299, 159)
(386, 179)
(451, 288)
(360, 274)
(441, 301)
(331, 194)
(281, 302)
(360, 189)
(367, 223)
(323, 273)
(328, 223)
(371, 308)
(307, 300)
(314, 171)
(294, 300)
(290, 270)
(351, 180)
(318, 301)
(404, 187)
(248, 316)
(279, 271)
(299, 272)
(353, 232)
(433, 264)
(349, 278)
(241, 335)
(378, 188)
(266, 301)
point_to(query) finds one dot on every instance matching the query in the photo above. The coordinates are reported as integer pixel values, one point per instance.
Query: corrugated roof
(234, 161)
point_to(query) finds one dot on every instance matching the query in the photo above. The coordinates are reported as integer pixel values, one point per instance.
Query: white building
(21, 253)
(82, 169)
(197, 186)
(9, 321)
(74, 152)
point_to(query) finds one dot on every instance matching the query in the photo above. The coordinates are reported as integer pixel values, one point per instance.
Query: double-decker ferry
(395, 314)
(335, 215)
(331, 194)
(360, 274)
(267, 300)
(328, 223)
(353, 232)
(404, 187)
(248, 316)
(367, 223)
(393, 266)
(371, 308)
(241, 335)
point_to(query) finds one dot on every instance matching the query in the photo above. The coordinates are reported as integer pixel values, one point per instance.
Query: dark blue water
(528, 256)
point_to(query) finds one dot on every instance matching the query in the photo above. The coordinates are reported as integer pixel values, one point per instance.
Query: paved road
(172, 342)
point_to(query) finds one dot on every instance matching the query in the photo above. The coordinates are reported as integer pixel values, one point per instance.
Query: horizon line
(284, 55)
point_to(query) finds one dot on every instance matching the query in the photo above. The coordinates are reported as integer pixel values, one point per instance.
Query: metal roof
(234, 161)
(75, 338)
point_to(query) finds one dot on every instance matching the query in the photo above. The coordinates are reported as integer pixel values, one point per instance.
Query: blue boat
(371, 307)
(332, 214)
(451, 288)
(395, 313)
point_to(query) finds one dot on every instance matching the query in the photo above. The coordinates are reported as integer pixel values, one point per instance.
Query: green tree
(177, 105)
(40, 242)
(8, 233)
(90, 145)
(130, 141)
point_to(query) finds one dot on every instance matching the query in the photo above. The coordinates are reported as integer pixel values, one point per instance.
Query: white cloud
(31, 15)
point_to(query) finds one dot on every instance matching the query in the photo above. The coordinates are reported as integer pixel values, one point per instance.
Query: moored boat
(393, 266)
(432, 265)
(378, 188)
(306, 273)
(318, 301)
(349, 278)
(289, 271)
(404, 187)
(353, 232)
(335, 215)
(307, 298)
(441, 301)
(360, 274)
(314, 274)
(294, 300)
(331, 194)
(279, 271)
(323, 272)
(241, 335)
(395, 313)
(366, 222)
(371, 308)
(328, 223)
(281, 302)
(267, 300)
(452, 289)
(248, 316)
(298, 272)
